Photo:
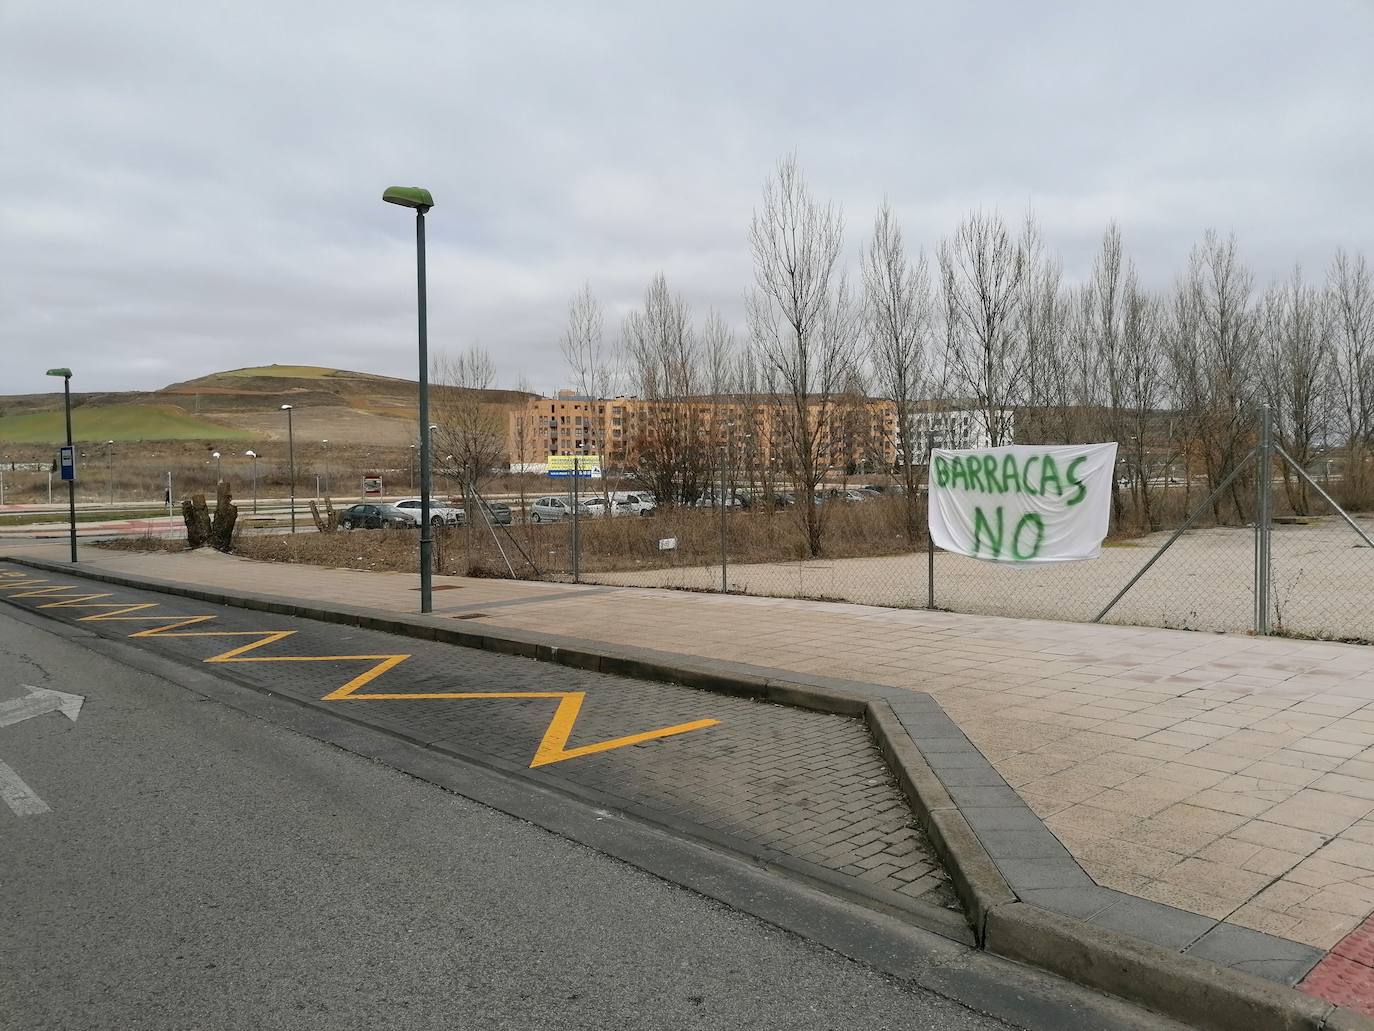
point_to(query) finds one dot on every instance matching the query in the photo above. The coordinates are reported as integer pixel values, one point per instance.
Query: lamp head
(250, 454)
(214, 454)
(286, 408)
(64, 373)
(409, 197)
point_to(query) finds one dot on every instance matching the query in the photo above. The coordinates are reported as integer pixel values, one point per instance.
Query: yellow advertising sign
(564, 463)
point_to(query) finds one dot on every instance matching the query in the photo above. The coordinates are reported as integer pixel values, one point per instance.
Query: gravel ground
(1322, 582)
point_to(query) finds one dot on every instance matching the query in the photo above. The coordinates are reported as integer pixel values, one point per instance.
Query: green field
(283, 371)
(113, 422)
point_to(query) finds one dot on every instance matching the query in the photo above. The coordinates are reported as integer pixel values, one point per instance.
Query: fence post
(930, 541)
(1263, 522)
(470, 509)
(576, 537)
(724, 575)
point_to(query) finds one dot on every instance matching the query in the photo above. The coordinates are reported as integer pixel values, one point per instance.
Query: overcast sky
(187, 187)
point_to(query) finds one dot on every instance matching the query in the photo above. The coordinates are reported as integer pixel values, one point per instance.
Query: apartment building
(858, 432)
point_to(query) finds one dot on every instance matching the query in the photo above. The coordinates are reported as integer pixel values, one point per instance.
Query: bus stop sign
(67, 461)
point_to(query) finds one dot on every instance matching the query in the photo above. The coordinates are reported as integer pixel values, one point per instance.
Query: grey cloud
(187, 187)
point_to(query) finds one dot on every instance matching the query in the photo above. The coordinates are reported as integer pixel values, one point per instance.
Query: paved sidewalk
(1229, 776)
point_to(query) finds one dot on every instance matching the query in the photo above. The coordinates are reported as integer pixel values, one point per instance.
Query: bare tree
(665, 359)
(1298, 373)
(1187, 380)
(1140, 395)
(899, 314)
(1351, 290)
(1043, 317)
(526, 440)
(471, 428)
(584, 347)
(982, 269)
(1227, 339)
(802, 323)
(594, 371)
(1105, 315)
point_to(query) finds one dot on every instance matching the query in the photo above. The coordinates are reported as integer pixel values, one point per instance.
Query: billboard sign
(588, 466)
(372, 485)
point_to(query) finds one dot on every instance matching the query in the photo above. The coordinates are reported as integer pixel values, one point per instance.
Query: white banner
(1022, 503)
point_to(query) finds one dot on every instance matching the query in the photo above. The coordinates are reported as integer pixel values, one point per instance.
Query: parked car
(372, 517)
(641, 502)
(441, 513)
(496, 511)
(780, 499)
(711, 499)
(555, 510)
(836, 494)
(596, 507)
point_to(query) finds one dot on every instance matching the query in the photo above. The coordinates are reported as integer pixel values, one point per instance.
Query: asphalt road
(204, 868)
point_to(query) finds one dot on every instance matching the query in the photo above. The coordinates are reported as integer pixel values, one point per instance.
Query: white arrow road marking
(18, 795)
(40, 700)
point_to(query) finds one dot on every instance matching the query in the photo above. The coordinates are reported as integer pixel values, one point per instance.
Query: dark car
(496, 512)
(373, 517)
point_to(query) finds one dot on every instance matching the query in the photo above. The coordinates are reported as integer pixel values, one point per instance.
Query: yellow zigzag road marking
(552, 749)
(72, 603)
(39, 592)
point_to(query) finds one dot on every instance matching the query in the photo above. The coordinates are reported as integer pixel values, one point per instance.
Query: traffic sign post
(68, 453)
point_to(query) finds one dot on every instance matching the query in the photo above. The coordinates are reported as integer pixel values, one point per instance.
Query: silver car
(555, 510)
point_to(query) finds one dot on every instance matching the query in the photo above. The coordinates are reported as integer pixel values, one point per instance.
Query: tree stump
(329, 521)
(222, 525)
(197, 517)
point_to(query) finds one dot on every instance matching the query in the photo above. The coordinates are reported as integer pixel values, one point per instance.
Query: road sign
(372, 486)
(67, 460)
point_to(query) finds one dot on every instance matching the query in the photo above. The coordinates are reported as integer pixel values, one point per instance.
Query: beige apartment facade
(859, 432)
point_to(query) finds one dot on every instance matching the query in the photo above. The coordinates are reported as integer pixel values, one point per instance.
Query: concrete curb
(1191, 989)
(979, 884)
(1176, 985)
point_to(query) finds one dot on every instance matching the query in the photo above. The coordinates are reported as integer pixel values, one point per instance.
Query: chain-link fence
(1308, 564)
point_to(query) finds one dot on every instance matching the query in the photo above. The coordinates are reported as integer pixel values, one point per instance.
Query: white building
(962, 428)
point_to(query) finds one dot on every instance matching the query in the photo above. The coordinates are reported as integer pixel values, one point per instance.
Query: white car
(440, 512)
(639, 502)
(598, 507)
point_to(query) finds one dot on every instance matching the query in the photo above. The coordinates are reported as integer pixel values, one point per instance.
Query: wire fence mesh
(1321, 574)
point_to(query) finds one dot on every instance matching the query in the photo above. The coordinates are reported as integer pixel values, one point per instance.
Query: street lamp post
(66, 375)
(254, 456)
(420, 200)
(412, 466)
(291, 460)
(325, 445)
(109, 466)
(218, 478)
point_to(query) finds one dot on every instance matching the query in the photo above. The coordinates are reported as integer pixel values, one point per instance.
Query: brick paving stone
(766, 775)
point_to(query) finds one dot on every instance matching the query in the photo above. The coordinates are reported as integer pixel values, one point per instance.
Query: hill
(238, 404)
